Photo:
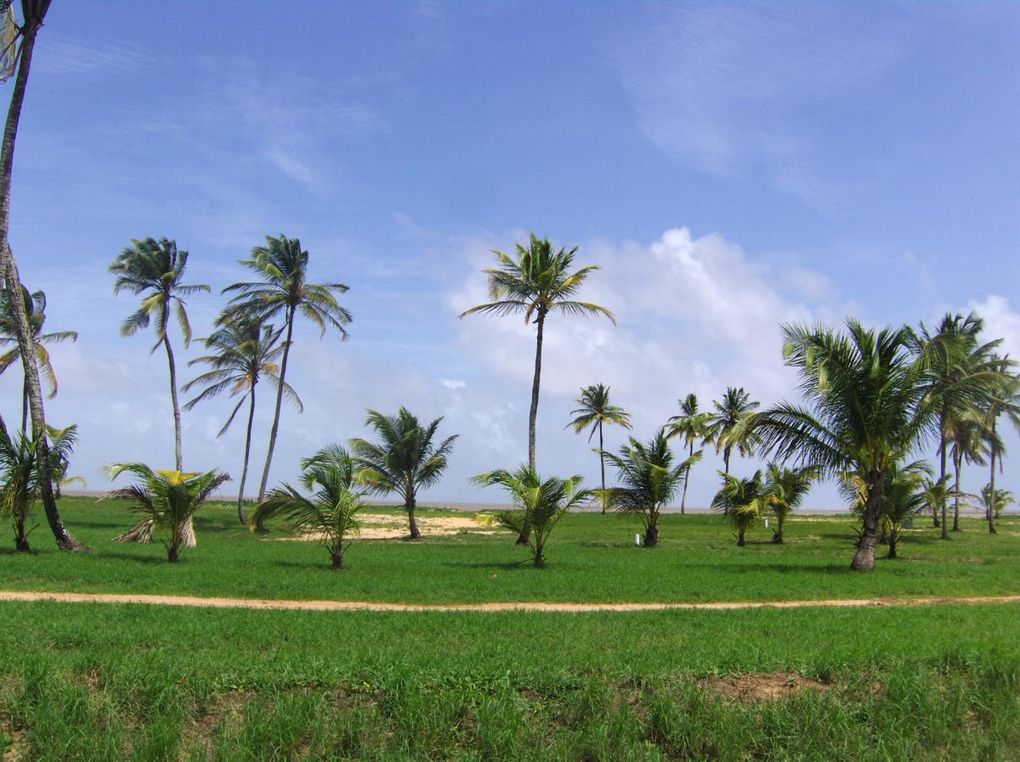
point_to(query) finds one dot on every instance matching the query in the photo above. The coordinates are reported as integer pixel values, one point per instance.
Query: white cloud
(1001, 321)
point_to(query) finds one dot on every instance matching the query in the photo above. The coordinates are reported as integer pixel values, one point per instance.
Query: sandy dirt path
(563, 607)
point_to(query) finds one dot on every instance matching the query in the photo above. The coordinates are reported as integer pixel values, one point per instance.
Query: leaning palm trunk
(942, 475)
(26, 345)
(187, 534)
(683, 497)
(957, 465)
(864, 559)
(247, 454)
(412, 525)
(991, 483)
(279, 405)
(525, 535)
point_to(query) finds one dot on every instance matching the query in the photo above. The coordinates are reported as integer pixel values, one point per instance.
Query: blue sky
(729, 166)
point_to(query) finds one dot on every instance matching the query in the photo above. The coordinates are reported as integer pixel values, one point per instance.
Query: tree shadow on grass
(155, 558)
(757, 566)
(504, 565)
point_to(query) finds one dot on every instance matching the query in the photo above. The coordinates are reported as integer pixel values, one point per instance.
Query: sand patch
(770, 686)
(392, 526)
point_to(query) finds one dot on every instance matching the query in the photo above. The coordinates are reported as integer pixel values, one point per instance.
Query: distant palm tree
(541, 503)
(330, 514)
(62, 443)
(935, 493)
(283, 289)
(20, 483)
(405, 460)
(867, 410)
(724, 425)
(693, 426)
(1006, 402)
(166, 499)
(649, 478)
(969, 440)
(962, 378)
(742, 502)
(538, 281)
(595, 410)
(786, 489)
(998, 501)
(156, 269)
(35, 305)
(244, 351)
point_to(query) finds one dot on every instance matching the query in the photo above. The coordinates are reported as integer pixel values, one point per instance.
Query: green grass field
(95, 681)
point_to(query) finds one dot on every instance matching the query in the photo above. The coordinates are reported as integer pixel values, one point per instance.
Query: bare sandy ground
(393, 526)
(566, 607)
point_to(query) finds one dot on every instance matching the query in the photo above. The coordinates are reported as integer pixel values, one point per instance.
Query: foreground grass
(112, 682)
(590, 558)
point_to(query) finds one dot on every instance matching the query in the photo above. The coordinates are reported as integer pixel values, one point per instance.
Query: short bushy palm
(786, 488)
(541, 503)
(62, 444)
(283, 290)
(166, 499)
(404, 460)
(692, 425)
(649, 477)
(594, 411)
(18, 470)
(742, 502)
(330, 514)
(905, 497)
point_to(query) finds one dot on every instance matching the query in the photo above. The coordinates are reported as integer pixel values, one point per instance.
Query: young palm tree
(866, 411)
(786, 489)
(1006, 402)
(649, 477)
(35, 304)
(243, 352)
(997, 501)
(156, 270)
(962, 378)
(906, 495)
(62, 442)
(541, 503)
(724, 425)
(20, 474)
(166, 499)
(935, 493)
(18, 58)
(331, 512)
(405, 460)
(742, 502)
(693, 426)
(969, 441)
(595, 410)
(283, 290)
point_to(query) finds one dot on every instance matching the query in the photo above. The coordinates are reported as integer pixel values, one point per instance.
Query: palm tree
(35, 304)
(969, 443)
(541, 503)
(935, 492)
(962, 378)
(20, 474)
(1004, 403)
(724, 425)
(997, 501)
(166, 499)
(156, 270)
(595, 410)
(786, 489)
(330, 514)
(692, 425)
(243, 352)
(62, 442)
(649, 477)
(283, 289)
(742, 502)
(20, 58)
(405, 459)
(866, 411)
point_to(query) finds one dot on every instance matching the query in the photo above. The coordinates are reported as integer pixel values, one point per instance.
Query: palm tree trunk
(337, 556)
(188, 529)
(652, 530)
(279, 404)
(525, 534)
(21, 537)
(864, 559)
(683, 497)
(942, 477)
(957, 464)
(409, 505)
(741, 542)
(9, 268)
(892, 545)
(24, 406)
(726, 470)
(991, 487)
(247, 453)
(602, 465)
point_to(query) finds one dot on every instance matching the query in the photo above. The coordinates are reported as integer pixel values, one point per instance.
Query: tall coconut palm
(35, 303)
(742, 502)
(594, 410)
(693, 426)
(540, 503)
(650, 478)
(961, 379)
(405, 460)
(330, 514)
(283, 291)
(724, 424)
(167, 499)
(156, 269)
(786, 489)
(866, 410)
(535, 283)
(243, 352)
(1005, 403)
(18, 57)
